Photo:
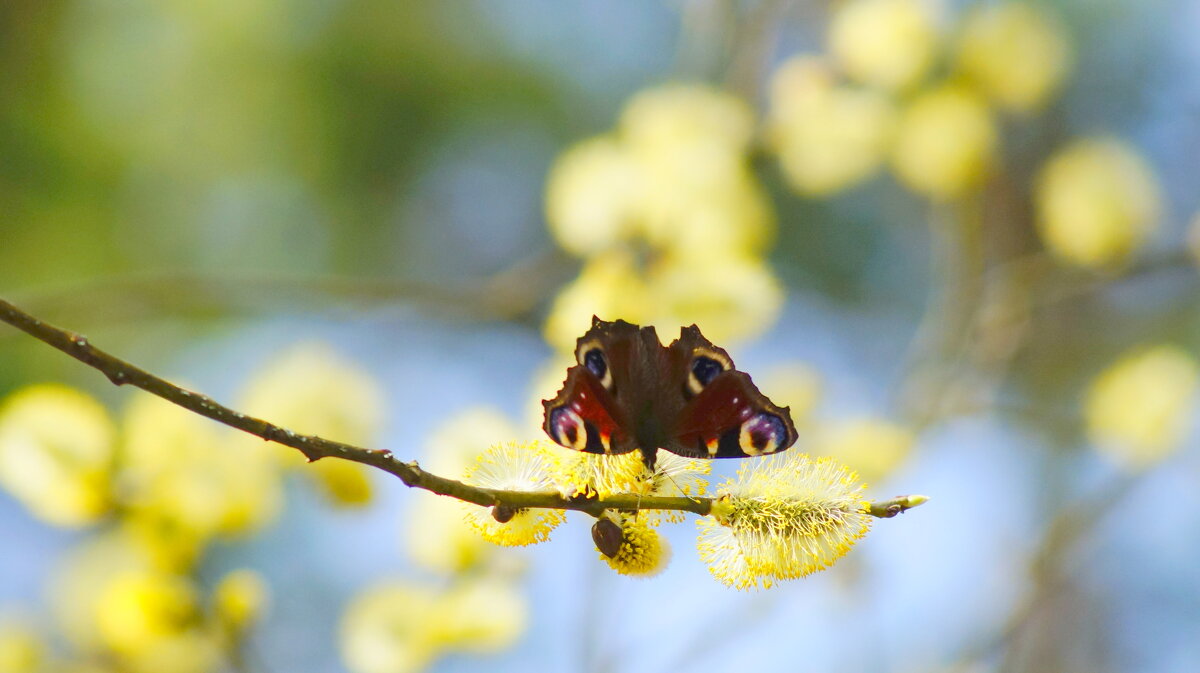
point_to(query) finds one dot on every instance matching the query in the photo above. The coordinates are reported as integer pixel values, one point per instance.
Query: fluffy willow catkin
(782, 517)
(785, 517)
(642, 551)
(514, 466)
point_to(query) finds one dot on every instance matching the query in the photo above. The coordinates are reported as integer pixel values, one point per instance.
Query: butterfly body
(629, 392)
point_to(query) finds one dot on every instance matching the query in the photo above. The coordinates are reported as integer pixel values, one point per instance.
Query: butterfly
(628, 392)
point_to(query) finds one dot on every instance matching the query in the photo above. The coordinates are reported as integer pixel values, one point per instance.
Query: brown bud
(607, 536)
(503, 513)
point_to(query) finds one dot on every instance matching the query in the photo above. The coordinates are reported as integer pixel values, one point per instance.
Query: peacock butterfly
(629, 392)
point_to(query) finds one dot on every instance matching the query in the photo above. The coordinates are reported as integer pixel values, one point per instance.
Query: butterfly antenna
(680, 488)
(654, 474)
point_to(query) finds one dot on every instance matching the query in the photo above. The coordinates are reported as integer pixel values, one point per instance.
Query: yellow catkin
(786, 517)
(1097, 202)
(56, 453)
(945, 142)
(643, 551)
(1016, 53)
(514, 466)
(1137, 410)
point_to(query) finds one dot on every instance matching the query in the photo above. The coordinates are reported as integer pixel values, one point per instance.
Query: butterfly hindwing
(583, 416)
(730, 418)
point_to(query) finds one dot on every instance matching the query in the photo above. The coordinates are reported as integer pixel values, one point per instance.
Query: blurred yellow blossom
(696, 130)
(945, 142)
(1015, 52)
(885, 43)
(192, 650)
(187, 471)
(482, 614)
(240, 599)
(593, 196)
(111, 600)
(437, 536)
(643, 551)
(167, 541)
(84, 667)
(312, 390)
(136, 609)
(1097, 201)
(733, 215)
(21, 648)
(782, 518)
(1139, 408)
(609, 285)
(698, 194)
(675, 176)
(438, 539)
(345, 483)
(388, 628)
(666, 203)
(872, 446)
(828, 136)
(400, 627)
(793, 385)
(514, 466)
(56, 453)
(691, 142)
(456, 442)
(732, 296)
(83, 576)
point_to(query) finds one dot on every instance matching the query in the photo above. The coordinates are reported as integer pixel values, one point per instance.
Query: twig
(938, 347)
(120, 373)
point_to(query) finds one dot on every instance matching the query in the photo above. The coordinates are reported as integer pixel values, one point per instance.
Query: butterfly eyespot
(568, 429)
(704, 370)
(762, 433)
(596, 363)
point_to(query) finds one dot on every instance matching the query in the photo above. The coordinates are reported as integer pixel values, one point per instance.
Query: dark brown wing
(723, 415)
(596, 409)
(585, 417)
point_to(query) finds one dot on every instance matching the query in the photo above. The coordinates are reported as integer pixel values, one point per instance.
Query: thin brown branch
(120, 373)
